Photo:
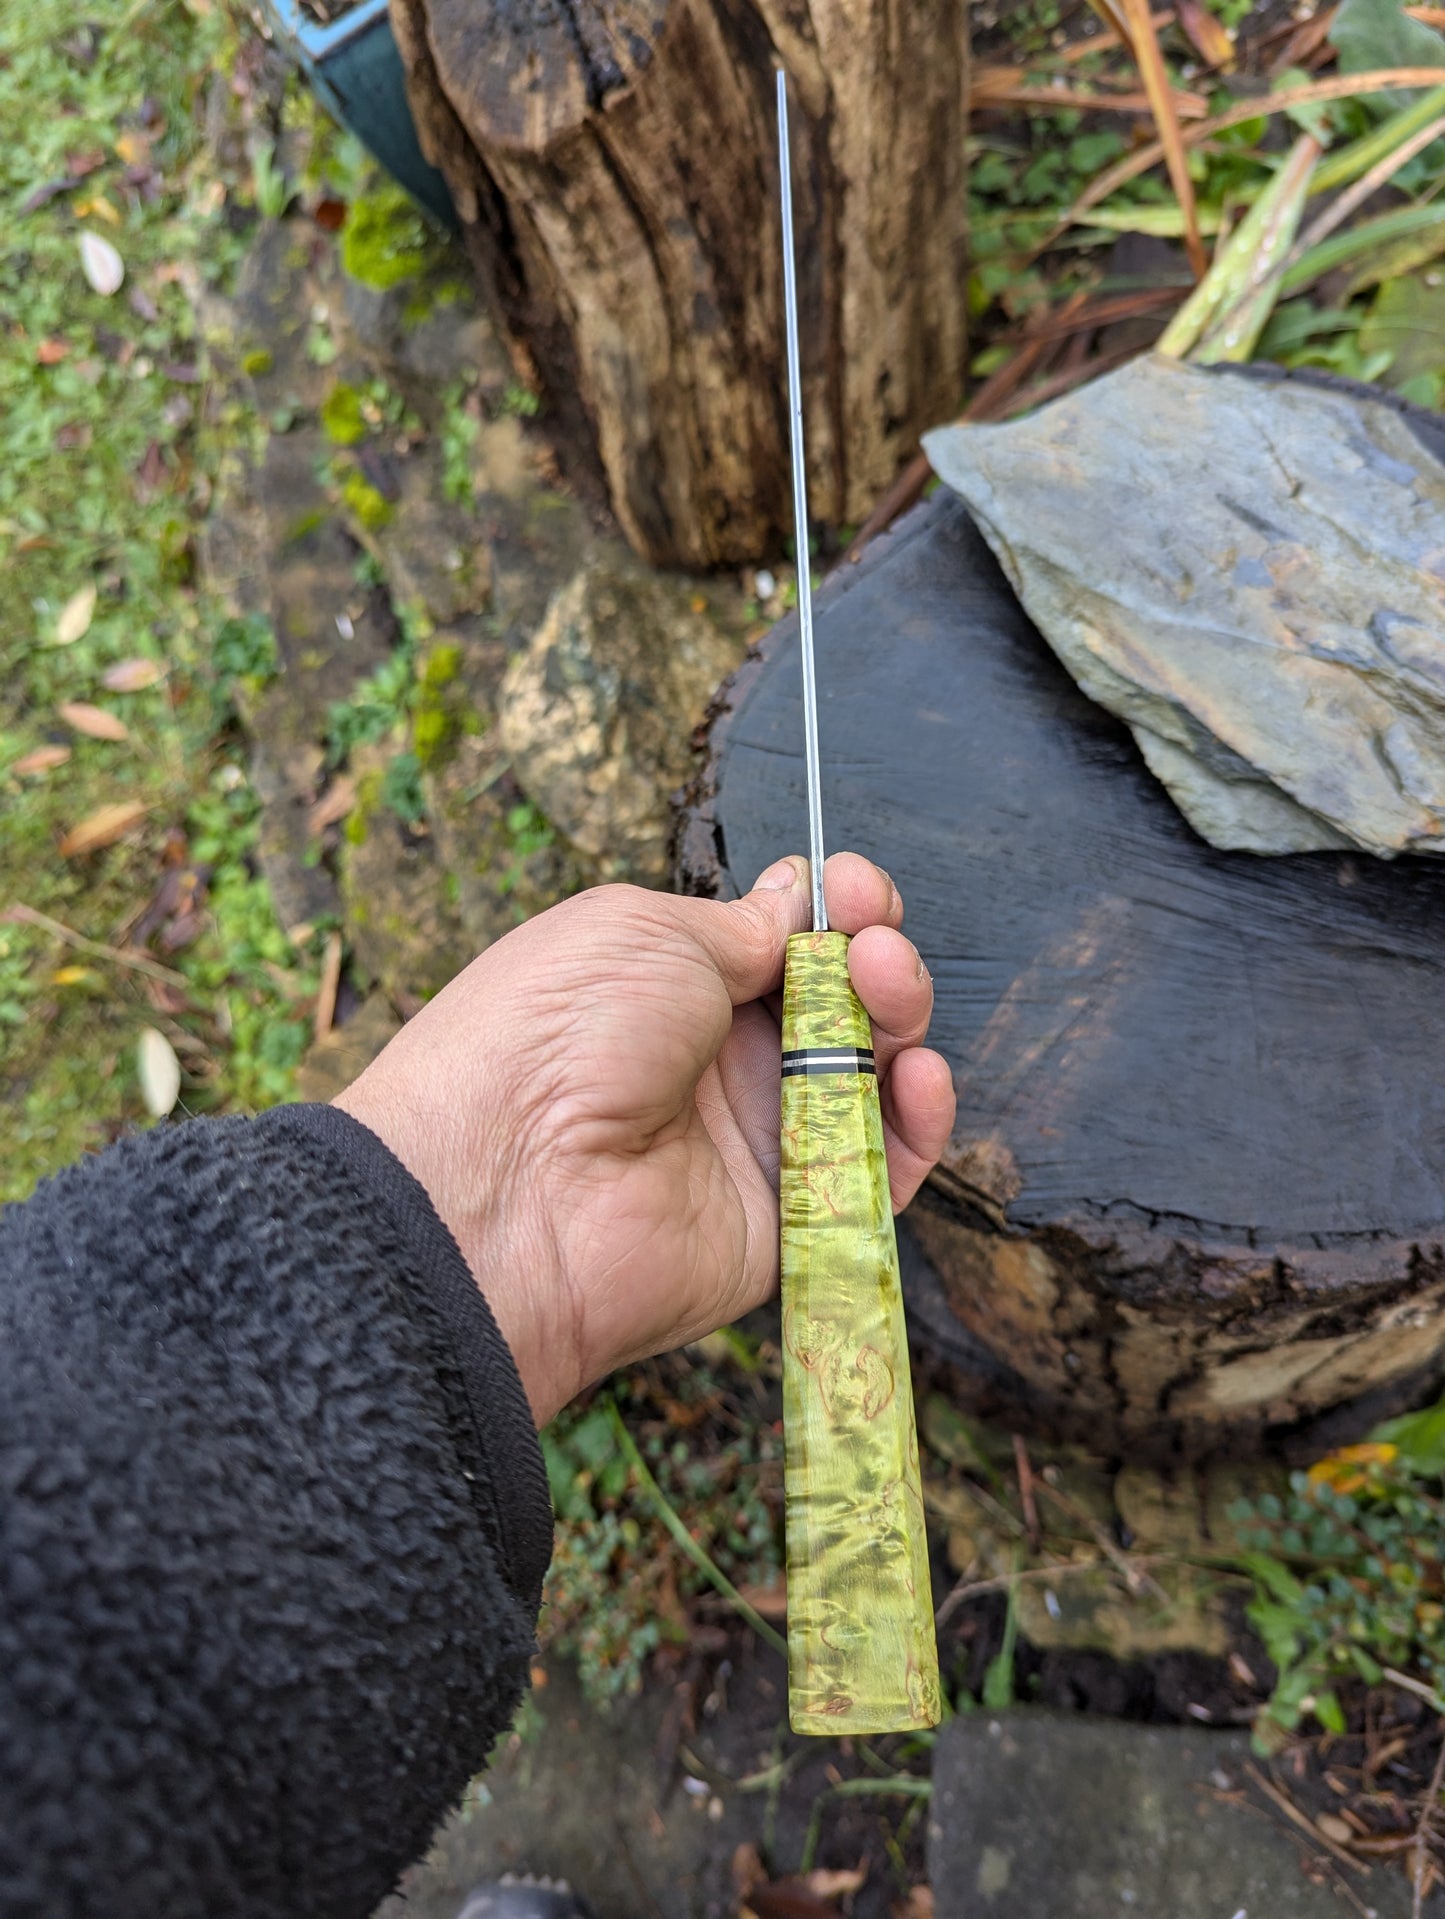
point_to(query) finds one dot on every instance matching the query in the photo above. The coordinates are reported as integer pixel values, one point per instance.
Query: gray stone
(1043, 1816)
(1248, 573)
(598, 713)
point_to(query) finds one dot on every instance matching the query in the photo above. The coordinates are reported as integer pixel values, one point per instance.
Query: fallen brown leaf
(151, 474)
(51, 352)
(770, 1601)
(918, 1904)
(838, 1883)
(93, 721)
(1206, 35)
(134, 148)
(103, 827)
(329, 215)
(75, 616)
(132, 676)
(81, 161)
(335, 803)
(44, 759)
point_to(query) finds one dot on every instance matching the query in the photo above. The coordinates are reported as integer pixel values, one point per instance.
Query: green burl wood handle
(861, 1651)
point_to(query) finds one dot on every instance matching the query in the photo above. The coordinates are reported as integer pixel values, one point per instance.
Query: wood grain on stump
(1196, 1191)
(614, 163)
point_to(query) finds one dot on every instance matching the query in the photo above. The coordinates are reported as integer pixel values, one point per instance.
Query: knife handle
(862, 1657)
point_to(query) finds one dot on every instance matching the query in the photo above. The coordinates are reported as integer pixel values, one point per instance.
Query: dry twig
(1155, 76)
(1346, 86)
(21, 915)
(330, 980)
(1292, 1812)
(1420, 1864)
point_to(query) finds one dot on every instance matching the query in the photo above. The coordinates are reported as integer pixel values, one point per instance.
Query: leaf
(1329, 1712)
(43, 760)
(1419, 1439)
(95, 722)
(75, 616)
(1379, 33)
(51, 352)
(1206, 33)
(835, 1882)
(102, 828)
(159, 1072)
(132, 676)
(101, 264)
(1274, 1576)
(1407, 321)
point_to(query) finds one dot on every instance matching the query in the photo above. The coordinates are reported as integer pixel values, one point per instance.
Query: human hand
(593, 1109)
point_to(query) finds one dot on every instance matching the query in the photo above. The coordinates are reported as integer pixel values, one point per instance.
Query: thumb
(746, 939)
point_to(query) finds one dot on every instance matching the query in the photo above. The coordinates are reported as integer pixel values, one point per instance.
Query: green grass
(105, 478)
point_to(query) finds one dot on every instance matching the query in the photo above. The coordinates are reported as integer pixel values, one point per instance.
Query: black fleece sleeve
(273, 1525)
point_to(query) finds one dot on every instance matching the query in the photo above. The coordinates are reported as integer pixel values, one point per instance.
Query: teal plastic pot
(354, 69)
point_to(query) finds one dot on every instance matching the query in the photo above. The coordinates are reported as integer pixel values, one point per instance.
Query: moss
(440, 715)
(357, 829)
(341, 416)
(304, 524)
(385, 239)
(258, 361)
(441, 666)
(368, 506)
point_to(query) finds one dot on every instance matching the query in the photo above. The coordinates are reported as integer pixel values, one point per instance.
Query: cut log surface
(1196, 1190)
(614, 164)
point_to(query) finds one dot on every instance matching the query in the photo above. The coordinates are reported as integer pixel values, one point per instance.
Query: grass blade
(1347, 86)
(714, 1575)
(1379, 175)
(1347, 163)
(1264, 245)
(1224, 306)
(1341, 248)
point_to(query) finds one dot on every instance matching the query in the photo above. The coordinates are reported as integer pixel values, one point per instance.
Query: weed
(618, 1581)
(528, 831)
(1349, 1570)
(376, 707)
(520, 401)
(401, 788)
(459, 430)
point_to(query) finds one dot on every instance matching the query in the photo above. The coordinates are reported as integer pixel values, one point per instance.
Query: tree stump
(614, 164)
(1196, 1191)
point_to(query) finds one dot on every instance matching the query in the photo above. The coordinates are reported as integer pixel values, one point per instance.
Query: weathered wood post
(613, 163)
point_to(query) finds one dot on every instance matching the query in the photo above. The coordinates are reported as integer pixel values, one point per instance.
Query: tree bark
(1196, 1190)
(614, 165)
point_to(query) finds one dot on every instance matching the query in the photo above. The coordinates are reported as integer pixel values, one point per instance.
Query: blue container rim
(321, 40)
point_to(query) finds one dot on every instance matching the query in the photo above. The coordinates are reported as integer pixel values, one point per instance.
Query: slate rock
(1037, 1815)
(1251, 574)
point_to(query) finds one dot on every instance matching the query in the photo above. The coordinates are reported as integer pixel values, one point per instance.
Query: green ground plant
(619, 1583)
(1349, 1573)
(105, 478)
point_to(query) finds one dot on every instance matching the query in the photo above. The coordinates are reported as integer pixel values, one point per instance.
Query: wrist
(486, 1200)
